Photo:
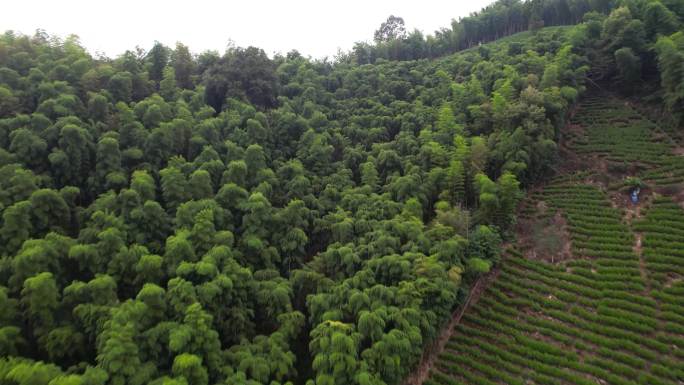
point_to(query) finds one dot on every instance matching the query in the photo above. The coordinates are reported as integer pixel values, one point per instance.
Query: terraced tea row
(617, 131)
(663, 245)
(613, 314)
(670, 173)
(576, 323)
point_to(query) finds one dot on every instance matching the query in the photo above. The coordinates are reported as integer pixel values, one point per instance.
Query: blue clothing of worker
(635, 195)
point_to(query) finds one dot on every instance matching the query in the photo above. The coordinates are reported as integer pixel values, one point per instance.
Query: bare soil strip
(420, 374)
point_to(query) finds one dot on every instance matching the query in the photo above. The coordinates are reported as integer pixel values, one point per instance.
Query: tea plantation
(614, 312)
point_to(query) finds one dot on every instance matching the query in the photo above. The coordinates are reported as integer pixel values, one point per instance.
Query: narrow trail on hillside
(421, 373)
(634, 214)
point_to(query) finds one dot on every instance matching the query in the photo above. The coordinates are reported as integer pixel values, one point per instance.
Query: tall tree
(629, 68)
(391, 29)
(184, 66)
(157, 59)
(167, 86)
(245, 73)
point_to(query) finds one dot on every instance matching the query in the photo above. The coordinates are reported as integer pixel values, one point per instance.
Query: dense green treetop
(169, 218)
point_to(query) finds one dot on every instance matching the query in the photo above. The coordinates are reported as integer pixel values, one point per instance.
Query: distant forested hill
(169, 218)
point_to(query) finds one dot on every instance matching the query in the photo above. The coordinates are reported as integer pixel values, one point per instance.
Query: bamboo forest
(499, 202)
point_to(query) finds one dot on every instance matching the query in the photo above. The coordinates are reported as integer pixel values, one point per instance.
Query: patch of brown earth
(602, 176)
(675, 191)
(545, 239)
(637, 248)
(679, 197)
(671, 280)
(542, 207)
(570, 161)
(622, 200)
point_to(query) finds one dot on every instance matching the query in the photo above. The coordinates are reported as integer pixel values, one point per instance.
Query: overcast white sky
(315, 28)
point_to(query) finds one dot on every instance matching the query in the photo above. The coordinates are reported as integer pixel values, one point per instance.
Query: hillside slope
(611, 313)
(247, 220)
(235, 218)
